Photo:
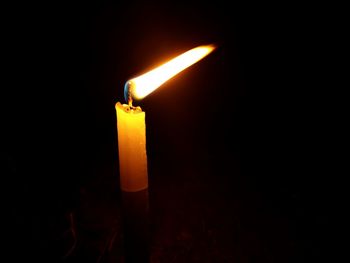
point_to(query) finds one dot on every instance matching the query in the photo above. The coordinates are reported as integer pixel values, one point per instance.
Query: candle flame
(143, 85)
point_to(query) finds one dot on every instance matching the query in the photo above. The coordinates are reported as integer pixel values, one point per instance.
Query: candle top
(129, 108)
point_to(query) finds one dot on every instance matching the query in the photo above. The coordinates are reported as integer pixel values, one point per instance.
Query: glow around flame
(143, 85)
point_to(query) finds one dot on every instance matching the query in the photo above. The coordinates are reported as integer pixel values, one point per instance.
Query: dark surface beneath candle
(200, 210)
(239, 148)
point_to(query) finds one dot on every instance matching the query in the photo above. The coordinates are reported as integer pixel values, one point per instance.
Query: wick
(130, 100)
(127, 93)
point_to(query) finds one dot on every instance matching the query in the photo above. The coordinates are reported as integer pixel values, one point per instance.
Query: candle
(132, 148)
(131, 130)
(131, 120)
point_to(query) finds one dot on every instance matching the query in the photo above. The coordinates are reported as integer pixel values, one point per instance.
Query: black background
(257, 105)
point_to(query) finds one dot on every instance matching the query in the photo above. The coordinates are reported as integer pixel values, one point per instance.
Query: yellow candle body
(132, 148)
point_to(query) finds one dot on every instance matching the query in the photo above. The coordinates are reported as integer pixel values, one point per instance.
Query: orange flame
(143, 85)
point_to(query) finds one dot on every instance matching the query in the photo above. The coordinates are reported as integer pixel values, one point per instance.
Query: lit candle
(131, 120)
(132, 151)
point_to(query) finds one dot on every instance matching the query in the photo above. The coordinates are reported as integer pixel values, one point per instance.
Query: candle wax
(132, 148)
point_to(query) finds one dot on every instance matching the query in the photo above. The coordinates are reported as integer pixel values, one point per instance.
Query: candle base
(135, 208)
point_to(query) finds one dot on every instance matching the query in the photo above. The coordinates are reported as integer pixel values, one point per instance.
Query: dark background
(252, 117)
